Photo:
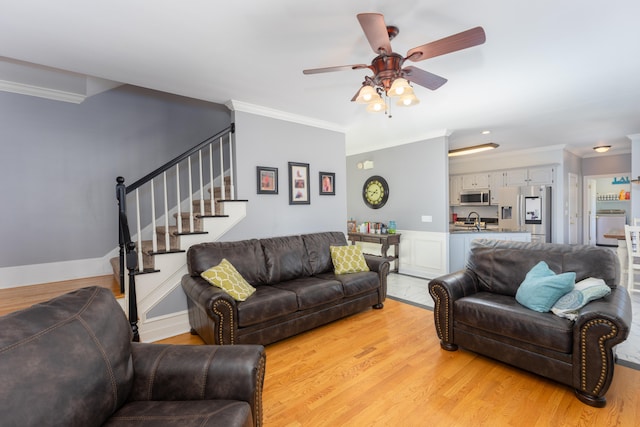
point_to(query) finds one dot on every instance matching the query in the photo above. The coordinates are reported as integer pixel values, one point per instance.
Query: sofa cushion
(583, 292)
(68, 358)
(347, 259)
(245, 255)
(355, 283)
(266, 303)
(541, 287)
(317, 245)
(503, 316)
(227, 278)
(183, 413)
(493, 262)
(313, 291)
(285, 258)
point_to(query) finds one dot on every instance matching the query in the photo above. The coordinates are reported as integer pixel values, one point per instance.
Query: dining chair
(632, 237)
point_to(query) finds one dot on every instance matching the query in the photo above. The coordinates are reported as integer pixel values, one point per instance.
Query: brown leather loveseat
(70, 362)
(476, 309)
(296, 288)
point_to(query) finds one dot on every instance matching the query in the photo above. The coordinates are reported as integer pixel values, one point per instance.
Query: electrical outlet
(427, 218)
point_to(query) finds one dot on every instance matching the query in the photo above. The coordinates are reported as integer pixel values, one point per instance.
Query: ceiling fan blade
(337, 68)
(423, 78)
(376, 31)
(463, 40)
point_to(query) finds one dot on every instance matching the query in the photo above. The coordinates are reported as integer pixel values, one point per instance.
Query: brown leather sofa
(71, 362)
(476, 309)
(296, 289)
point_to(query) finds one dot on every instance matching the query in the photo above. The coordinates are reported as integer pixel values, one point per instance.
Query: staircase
(155, 255)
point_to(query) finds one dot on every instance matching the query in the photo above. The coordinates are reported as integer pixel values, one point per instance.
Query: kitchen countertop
(465, 230)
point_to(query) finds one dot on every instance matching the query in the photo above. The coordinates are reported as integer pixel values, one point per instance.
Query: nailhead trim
(220, 327)
(603, 354)
(438, 301)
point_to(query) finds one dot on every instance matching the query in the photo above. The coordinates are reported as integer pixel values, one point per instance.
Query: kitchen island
(460, 239)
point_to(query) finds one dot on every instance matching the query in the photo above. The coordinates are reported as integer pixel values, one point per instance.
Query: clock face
(375, 192)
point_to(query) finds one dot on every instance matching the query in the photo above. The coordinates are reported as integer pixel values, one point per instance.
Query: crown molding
(246, 107)
(41, 92)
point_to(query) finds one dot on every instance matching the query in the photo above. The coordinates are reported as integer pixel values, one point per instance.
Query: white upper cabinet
(455, 187)
(496, 181)
(475, 181)
(529, 176)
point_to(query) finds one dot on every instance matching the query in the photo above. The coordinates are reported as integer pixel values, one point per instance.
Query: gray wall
(264, 141)
(418, 179)
(620, 163)
(59, 162)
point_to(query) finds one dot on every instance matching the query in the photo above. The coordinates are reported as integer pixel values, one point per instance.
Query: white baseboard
(163, 327)
(35, 274)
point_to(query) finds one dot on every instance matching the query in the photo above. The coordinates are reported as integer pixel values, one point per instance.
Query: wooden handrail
(181, 157)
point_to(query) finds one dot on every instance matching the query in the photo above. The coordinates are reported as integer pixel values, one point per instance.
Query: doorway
(601, 194)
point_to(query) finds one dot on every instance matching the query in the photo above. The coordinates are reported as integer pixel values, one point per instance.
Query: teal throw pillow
(584, 292)
(541, 287)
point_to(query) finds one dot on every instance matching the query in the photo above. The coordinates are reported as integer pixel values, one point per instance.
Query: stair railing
(208, 168)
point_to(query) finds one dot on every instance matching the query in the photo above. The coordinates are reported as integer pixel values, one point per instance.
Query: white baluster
(139, 232)
(223, 190)
(212, 190)
(154, 235)
(232, 189)
(190, 197)
(179, 220)
(201, 188)
(167, 240)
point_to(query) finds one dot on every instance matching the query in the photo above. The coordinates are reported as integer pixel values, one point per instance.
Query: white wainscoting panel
(423, 253)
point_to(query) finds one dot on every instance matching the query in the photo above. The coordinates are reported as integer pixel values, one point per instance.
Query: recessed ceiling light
(486, 132)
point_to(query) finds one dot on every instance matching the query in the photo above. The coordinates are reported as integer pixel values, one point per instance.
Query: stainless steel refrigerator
(526, 208)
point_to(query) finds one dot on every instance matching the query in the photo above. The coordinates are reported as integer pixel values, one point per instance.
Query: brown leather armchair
(71, 362)
(476, 309)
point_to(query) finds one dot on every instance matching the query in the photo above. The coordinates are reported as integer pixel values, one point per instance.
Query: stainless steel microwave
(475, 197)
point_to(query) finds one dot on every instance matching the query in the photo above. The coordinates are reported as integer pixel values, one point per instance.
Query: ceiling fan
(389, 77)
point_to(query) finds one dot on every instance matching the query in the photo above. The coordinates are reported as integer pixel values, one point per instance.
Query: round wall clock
(375, 192)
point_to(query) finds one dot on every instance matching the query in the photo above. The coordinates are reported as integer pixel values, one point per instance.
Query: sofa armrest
(381, 266)
(445, 290)
(208, 372)
(210, 309)
(600, 326)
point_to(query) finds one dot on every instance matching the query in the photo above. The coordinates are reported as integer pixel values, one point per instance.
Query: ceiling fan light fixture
(408, 100)
(473, 149)
(602, 148)
(366, 95)
(400, 87)
(377, 105)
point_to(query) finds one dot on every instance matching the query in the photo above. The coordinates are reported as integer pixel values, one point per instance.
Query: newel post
(121, 195)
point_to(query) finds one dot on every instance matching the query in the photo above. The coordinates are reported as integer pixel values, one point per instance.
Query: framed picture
(299, 184)
(267, 180)
(352, 226)
(327, 184)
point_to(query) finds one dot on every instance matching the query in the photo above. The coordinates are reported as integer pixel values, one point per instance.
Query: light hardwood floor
(385, 368)
(13, 299)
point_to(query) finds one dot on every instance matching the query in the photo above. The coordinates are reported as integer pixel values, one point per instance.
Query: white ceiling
(550, 73)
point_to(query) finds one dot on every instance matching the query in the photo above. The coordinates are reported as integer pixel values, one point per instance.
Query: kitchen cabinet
(475, 181)
(455, 187)
(529, 176)
(496, 181)
(459, 244)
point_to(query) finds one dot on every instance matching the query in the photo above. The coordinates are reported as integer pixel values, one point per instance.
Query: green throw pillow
(541, 287)
(227, 278)
(584, 292)
(347, 259)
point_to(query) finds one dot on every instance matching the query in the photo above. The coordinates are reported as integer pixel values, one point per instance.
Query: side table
(386, 240)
